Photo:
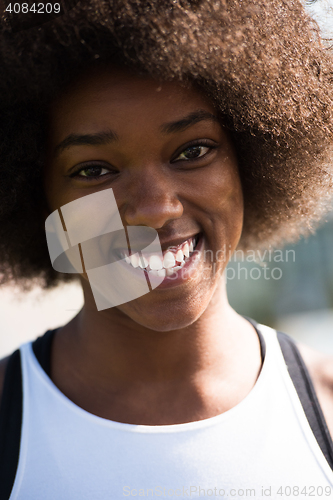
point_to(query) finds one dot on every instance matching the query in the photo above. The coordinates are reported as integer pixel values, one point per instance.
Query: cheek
(234, 201)
(227, 206)
(226, 194)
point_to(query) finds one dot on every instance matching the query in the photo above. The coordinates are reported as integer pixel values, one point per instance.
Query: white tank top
(263, 447)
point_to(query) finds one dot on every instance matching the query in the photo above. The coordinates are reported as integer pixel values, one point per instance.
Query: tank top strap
(300, 376)
(301, 379)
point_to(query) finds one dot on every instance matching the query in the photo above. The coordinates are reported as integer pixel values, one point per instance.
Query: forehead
(124, 98)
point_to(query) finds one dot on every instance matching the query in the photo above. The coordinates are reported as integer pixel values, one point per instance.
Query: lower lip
(186, 273)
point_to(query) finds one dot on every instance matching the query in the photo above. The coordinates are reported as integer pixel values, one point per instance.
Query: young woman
(211, 124)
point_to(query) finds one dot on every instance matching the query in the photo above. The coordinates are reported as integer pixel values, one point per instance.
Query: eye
(92, 171)
(195, 151)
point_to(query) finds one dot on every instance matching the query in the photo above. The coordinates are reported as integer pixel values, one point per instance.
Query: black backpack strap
(10, 424)
(302, 381)
(42, 350)
(11, 411)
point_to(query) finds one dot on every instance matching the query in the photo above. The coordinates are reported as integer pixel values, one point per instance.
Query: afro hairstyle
(261, 62)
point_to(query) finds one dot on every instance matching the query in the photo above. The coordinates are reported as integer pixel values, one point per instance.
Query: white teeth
(154, 272)
(143, 262)
(167, 265)
(186, 250)
(134, 260)
(158, 272)
(155, 262)
(179, 256)
(173, 270)
(169, 260)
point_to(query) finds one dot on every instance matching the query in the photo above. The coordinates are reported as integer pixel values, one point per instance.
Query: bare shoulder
(3, 366)
(320, 367)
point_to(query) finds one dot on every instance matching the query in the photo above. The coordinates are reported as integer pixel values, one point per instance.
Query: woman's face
(171, 167)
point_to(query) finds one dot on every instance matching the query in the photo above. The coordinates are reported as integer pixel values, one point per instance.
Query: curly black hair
(261, 62)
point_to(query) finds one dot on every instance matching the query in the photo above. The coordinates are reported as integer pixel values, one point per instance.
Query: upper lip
(175, 242)
(165, 244)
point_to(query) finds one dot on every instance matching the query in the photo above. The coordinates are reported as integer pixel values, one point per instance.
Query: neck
(115, 368)
(118, 347)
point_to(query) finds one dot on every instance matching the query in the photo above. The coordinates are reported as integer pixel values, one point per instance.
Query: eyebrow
(99, 138)
(187, 121)
(109, 136)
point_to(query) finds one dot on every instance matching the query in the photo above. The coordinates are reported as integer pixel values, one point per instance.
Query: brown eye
(194, 152)
(93, 171)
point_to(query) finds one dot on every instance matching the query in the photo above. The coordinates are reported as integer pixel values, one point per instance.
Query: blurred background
(289, 289)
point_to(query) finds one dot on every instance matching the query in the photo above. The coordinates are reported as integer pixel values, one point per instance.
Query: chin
(166, 318)
(166, 326)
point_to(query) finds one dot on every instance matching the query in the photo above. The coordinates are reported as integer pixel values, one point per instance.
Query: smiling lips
(173, 259)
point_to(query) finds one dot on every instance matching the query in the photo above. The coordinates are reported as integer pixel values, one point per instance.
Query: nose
(152, 200)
